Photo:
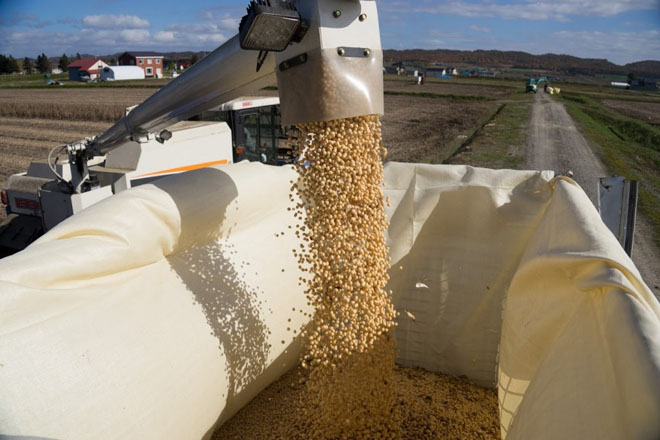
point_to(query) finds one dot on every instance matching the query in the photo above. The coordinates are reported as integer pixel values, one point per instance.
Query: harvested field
(415, 129)
(455, 90)
(24, 140)
(429, 129)
(432, 406)
(79, 104)
(645, 111)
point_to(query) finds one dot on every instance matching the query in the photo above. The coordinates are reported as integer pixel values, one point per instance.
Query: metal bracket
(617, 205)
(292, 62)
(354, 52)
(261, 58)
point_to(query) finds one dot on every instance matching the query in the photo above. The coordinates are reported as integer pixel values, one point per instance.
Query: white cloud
(165, 36)
(226, 24)
(32, 42)
(620, 47)
(560, 10)
(210, 33)
(108, 34)
(230, 23)
(228, 18)
(134, 35)
(115, 21)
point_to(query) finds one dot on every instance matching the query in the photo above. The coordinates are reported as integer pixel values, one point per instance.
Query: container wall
(457, 235)
(160, 312)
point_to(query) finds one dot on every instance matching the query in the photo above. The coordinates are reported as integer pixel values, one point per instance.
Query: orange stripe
(186, 168)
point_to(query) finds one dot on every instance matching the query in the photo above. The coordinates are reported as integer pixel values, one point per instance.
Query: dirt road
(554, 143)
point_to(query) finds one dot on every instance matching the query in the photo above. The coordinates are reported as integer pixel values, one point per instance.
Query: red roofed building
(151, 62)
(85, 69)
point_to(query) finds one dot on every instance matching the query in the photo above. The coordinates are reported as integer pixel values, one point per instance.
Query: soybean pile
(349, 347)
(431, 406)
(348, 386)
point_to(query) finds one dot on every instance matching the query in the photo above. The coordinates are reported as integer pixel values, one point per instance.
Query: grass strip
(449, 96)
(628, 147)
(473, 136)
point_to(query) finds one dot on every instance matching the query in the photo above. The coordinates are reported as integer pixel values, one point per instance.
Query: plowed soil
(429, 129)
(70, 104)
(99, 96)
(25, 140)
(646, 111)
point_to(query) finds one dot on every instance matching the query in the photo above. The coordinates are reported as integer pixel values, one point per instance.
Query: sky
(621, 31)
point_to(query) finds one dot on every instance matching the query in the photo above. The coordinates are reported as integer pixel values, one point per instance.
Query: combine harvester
(160, 310)
(39, 199)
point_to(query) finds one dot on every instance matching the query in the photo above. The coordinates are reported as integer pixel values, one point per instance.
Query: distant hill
(645, 66)
(559, 64)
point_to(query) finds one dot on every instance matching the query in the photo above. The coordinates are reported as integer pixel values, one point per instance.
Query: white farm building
(116, 73)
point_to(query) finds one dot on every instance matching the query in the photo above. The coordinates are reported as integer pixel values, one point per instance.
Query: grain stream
(349, 346)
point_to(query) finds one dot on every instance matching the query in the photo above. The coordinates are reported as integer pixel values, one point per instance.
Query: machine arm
(226, 73)
(333, 71)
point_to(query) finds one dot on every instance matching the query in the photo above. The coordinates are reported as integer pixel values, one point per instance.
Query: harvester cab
(257, 133)
(531, 85)
(324, 56)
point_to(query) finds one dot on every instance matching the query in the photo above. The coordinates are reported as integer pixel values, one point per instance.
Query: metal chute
(330, 68)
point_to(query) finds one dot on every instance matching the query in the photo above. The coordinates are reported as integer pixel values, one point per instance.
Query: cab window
(250, 128)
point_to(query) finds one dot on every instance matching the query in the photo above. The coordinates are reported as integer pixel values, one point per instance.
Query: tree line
(8, 64)
(41, 64)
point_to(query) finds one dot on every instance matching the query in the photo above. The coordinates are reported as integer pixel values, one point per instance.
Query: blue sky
(622, 31)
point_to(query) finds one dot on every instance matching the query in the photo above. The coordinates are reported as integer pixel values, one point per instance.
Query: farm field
(645, 111)
(70, 104)
(618, 129)
(416, 127)
(23, 140)
(622, 129)
(429, 129)
(500, 142)
(33, 121)
(37, 81)
(480, 122)
(462, 80)
(450, 90)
